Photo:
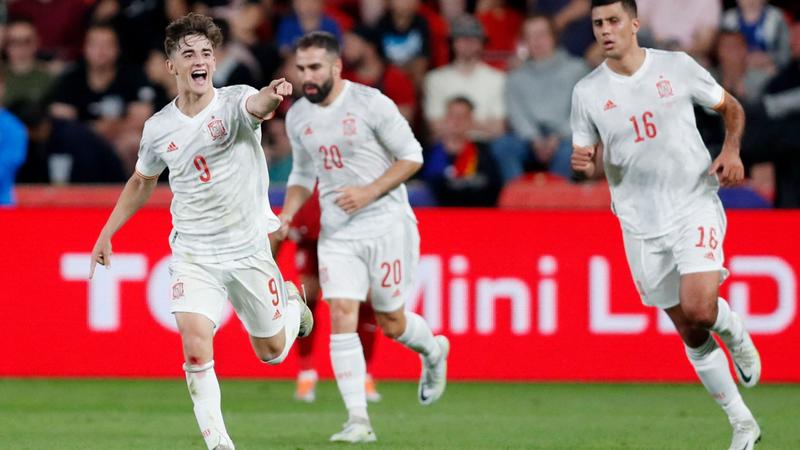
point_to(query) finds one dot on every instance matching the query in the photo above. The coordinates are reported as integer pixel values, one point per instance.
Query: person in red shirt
(502, 25)
(304, 231)
(364, 63)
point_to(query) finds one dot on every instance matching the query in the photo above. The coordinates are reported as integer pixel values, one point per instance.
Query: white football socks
(204, 389)
(350, 368)
(726, 326)
(418, 337)
(291, 325)
(711, 365)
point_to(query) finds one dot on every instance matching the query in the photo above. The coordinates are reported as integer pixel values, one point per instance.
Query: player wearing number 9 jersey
(633, 119)
(355, 141)
(210, 140)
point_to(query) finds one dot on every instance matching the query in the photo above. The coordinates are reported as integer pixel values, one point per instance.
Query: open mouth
(200, 75)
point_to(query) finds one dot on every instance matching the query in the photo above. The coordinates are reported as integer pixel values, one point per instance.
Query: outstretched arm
(136, 192)
(263, 104)
(729, 164)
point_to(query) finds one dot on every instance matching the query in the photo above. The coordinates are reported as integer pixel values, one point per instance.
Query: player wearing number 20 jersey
(353, 141)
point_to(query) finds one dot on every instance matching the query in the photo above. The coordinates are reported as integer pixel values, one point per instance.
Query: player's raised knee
(270, 350)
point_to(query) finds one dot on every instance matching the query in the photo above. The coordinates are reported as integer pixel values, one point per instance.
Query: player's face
(614, 29)
(193, 64)
(318, 71)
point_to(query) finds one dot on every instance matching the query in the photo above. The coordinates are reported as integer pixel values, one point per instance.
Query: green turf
(114, 414)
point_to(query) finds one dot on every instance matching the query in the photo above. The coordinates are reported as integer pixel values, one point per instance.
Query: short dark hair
(190, 25)
(463, 100)
(627, 5)
(319, 39)
(102, 25)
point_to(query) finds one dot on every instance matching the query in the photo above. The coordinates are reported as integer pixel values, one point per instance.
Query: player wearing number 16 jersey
(210, 139)
(355, 141)
(633, 119)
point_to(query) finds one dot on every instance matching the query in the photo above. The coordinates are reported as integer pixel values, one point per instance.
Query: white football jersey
(218, 176)
(351, 142)
(655, 160)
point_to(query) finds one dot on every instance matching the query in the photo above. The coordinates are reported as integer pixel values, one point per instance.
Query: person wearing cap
(469, 77)
(364, 61)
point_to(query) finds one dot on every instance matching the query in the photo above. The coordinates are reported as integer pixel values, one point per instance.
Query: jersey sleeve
(247, 118)
(584, 133)
(303, 173)
(393, 131)
(704, 90)
(149, 165)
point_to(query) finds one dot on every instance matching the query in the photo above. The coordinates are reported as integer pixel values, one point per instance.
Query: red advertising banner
(523, 295)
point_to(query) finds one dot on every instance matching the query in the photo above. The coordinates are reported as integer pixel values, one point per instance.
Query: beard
(322, 91)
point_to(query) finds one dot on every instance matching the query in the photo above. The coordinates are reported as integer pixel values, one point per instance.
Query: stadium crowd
(486, 84)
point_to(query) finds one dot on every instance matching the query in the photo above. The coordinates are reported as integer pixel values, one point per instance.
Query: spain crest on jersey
(217, 129)
(349, 126)
(664, 88)
(177, 290)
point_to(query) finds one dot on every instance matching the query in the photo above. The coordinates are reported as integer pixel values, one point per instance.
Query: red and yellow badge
(217, 129)
(664, 88)
(349, 126)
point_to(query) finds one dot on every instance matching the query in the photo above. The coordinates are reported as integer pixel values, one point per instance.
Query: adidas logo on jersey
(710, 255)
(171, 147)
(308, 131)
(397, 293)
(277, 315)
(609, 105)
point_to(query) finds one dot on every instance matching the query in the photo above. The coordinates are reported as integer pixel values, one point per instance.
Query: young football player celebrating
(210, 139)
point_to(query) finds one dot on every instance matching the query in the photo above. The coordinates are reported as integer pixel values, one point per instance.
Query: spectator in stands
(13, 143)
(60, 24)
(745, 81)
(307, 16)
(461, 171)
(687, 25)
(502, 25)
(766, 31)
(364, 63)
(278, 150)
(773, 132)
(405, 37)
(115, 99)
(140, 25)
(467, 76)
(65, 151)
(235, 63)
(26, 77)
(572, 21)
(160, 79)
(538, 97)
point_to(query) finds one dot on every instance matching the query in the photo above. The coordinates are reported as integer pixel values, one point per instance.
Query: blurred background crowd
(486, 84)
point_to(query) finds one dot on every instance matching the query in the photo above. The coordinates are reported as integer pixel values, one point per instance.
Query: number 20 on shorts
(392, 273)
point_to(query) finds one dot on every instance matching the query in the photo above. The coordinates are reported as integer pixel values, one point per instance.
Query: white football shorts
(383, 266)
(253, 284)
(658, 263)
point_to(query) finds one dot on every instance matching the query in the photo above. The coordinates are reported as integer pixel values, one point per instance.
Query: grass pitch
(157, 414)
